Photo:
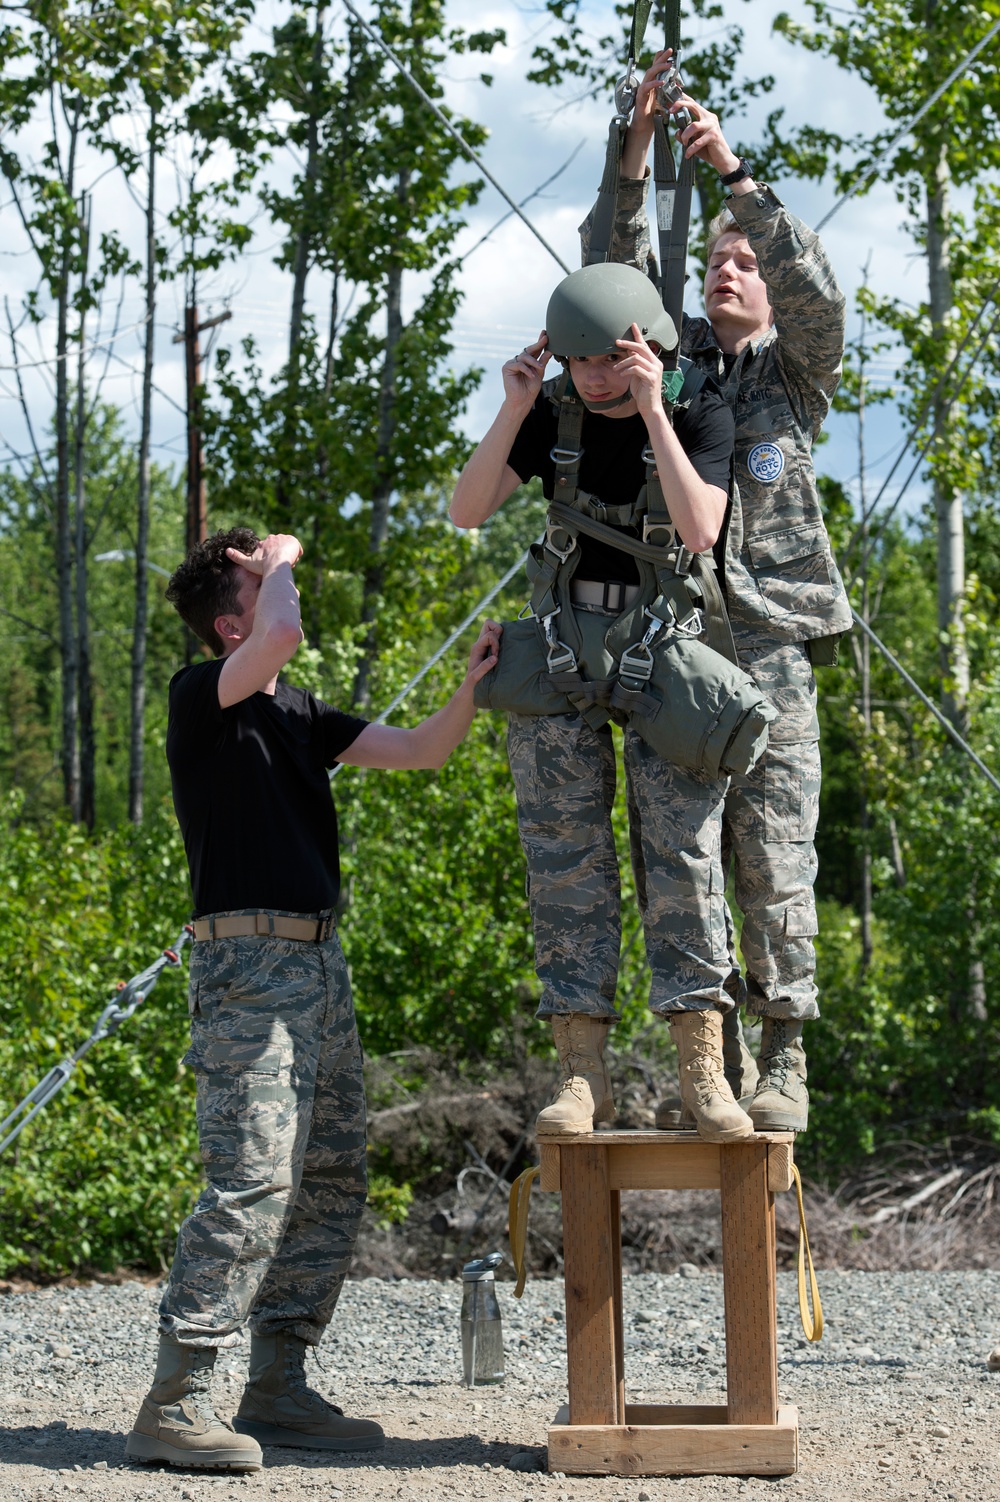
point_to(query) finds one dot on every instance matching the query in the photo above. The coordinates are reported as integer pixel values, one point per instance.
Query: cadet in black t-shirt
(274, 1046)
(607, 328)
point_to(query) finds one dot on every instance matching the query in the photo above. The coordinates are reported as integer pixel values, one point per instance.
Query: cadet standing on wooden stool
(637, 462)
(773, 339)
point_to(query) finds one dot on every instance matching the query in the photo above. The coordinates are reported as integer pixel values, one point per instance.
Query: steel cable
(128, 1000)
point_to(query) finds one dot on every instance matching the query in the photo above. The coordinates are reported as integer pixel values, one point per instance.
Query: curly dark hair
(206, 585)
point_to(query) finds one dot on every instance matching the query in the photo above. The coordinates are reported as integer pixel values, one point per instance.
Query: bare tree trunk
(64, 533)
(947, 503)
(84, 680)
(867, 940)
(384, 478)
(302, 258)
(137, 729)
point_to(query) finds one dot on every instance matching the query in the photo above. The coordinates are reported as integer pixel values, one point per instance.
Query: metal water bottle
(482, 1333)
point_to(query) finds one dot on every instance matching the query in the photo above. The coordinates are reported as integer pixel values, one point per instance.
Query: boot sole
(276, 1434)
(775, 1121)
(145, 1447)
(738, 1134)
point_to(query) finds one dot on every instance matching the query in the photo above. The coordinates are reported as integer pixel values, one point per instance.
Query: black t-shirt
(252, 793)
(612, 467)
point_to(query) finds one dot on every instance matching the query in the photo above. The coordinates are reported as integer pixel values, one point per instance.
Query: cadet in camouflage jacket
(782, 584)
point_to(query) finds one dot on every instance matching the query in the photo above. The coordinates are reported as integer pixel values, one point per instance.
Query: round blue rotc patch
(765, 462)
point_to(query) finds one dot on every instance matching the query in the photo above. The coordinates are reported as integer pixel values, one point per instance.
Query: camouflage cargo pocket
(242, 1111)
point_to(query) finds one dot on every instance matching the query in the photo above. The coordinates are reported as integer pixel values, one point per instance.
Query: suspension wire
(925, 447)
(456, 135)
(955, 73)
(941, 718)
(928, 402)
(129, 998)
(533, 194)
(445, 646)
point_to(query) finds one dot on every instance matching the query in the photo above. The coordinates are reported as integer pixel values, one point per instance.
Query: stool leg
(748, 1261)
(588, 1265)
(616, 1279)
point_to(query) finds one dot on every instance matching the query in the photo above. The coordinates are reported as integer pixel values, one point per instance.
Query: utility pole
(196, 529)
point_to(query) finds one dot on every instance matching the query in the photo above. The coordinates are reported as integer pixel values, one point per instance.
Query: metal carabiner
(625, 91)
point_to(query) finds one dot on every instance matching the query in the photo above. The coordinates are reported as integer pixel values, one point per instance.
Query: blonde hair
(723, 224)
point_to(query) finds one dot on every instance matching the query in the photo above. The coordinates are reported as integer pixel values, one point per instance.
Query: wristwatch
(737, 175)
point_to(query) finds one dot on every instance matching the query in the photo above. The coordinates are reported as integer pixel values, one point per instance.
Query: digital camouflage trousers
(769, 830)
(281, 1124)
(564, 779)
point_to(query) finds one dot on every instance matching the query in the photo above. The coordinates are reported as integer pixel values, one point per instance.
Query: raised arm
(809, 307)
(697, 509)
(429, 744)
(487, 479)
(261, 640)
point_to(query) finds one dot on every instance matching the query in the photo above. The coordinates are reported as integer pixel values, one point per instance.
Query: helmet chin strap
(608, 406)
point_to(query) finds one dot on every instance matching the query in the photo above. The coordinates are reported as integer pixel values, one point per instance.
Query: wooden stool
(600, 1433)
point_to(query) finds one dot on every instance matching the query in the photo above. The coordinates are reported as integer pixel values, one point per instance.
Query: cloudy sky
(506, 281)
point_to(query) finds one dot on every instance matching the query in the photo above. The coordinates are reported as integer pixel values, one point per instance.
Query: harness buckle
(559, 658)
(683, 564)
(637, 662)
(648, 457)
(660, 534)
(564, 457)
(551, 528)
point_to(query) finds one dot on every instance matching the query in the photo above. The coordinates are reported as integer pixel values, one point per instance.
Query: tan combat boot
(704, 1091)
(781, 1100)
(278, 1407)
(177, 1422)
(741, 1076)
(585, 1093)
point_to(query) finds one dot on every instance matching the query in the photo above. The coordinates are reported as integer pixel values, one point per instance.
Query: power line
(901, 136)
(922, 452)
(942, 719)
(56, 359)
(472, 616)
(455, 134)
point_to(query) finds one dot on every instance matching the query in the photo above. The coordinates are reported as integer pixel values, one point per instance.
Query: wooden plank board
(684, 1449)
(653, 1165)
(626, 1139)
(589, 1275)
(780, 1156)
(548, 1158)
(749, 1284)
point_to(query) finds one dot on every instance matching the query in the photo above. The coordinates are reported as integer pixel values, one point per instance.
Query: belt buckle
(622, 589)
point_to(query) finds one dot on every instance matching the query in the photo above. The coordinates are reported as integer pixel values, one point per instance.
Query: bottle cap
(481, 1267)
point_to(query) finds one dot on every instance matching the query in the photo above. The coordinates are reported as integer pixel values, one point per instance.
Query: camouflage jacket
(782, 583)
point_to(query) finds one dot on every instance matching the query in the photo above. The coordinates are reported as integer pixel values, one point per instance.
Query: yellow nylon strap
(812, 1324)
(517, 1223)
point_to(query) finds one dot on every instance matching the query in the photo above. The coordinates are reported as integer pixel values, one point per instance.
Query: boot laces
(199, 1386)
(297, 1383)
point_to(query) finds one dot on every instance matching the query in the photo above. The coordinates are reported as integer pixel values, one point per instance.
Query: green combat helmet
(593, 308)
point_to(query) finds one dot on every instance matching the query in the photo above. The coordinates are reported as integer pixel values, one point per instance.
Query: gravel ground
(895, 1403)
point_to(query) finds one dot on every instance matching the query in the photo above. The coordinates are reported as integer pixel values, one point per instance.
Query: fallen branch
(916, 1199)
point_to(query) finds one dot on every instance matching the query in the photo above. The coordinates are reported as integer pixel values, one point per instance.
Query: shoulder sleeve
(809, 307)
(534, 440)
(194, 716)
(337, 730)
(707, 431)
